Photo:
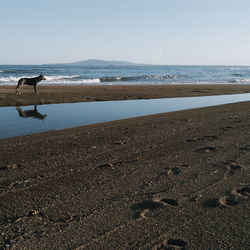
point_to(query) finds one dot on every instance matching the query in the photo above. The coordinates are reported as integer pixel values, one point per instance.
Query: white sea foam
(56, 79)
(243, 80)
(8, 79)
(76, 82)
(60, 77)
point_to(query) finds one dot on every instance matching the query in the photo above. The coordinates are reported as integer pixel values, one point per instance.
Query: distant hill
(96, 62)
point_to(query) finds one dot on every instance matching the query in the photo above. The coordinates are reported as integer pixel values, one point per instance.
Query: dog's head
(42, 77)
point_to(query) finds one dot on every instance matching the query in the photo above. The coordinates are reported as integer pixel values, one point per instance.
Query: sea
(66, 74)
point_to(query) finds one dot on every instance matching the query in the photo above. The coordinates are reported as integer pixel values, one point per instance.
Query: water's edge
(26, 120)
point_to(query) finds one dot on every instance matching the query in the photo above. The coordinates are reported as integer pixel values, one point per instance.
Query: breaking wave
(243, 80)
(72, 82)
(12, 80)
(136, 78)
(76, 79)
(55, 78)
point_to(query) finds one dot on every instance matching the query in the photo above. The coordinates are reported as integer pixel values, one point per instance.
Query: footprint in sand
(237, 121)
(175, 171)
(177, 243)
(230, 200)
(194, 139)
(106, 165)
(207, 149)
(209, 137)
(245, 148)
(171, 244)
(224, 201)
(120, 143)
(142, 208)
(243, 192)
(232, 167)
(226, 128)
(203, 138)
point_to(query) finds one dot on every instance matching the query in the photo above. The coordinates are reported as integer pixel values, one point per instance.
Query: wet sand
(177, 180)
(66, 94)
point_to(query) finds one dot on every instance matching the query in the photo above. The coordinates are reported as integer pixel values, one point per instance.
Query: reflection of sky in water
(60, 116)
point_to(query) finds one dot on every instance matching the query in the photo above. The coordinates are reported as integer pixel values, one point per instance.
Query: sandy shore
(64, 94)
(171, 181)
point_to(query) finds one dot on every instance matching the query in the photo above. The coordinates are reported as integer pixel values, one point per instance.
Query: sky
(171, 32)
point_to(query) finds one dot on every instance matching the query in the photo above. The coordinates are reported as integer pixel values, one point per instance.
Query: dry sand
(171, 181)
(64, 94)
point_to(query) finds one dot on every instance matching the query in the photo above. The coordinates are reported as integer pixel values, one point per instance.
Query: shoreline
(76, 93)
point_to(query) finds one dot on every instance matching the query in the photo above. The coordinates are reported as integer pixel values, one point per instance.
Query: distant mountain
(96, 62)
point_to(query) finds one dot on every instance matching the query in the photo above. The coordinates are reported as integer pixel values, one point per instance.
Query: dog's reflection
(33, 113)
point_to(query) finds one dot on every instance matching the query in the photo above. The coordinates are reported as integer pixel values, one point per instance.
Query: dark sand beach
(175, 180)
(76, 93)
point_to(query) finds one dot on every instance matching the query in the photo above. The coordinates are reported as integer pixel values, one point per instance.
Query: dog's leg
(18, 90)
(35, 90)
(19, 86)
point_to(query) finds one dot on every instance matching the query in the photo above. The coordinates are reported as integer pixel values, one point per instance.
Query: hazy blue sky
(145, 31)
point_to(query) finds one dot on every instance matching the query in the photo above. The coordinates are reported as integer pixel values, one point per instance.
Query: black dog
(29, 81)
